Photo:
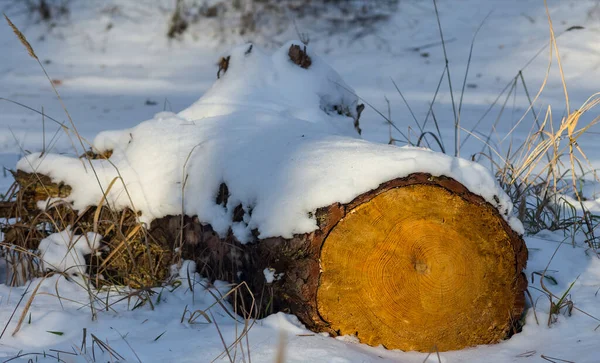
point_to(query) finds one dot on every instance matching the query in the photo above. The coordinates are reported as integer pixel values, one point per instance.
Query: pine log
(420, 263)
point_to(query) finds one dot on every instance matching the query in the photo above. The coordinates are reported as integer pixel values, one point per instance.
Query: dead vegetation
(299, 56)
(253, 18)
(127, 256)
(48, 12)
(130, 259)
(223, 65)
(544, 173)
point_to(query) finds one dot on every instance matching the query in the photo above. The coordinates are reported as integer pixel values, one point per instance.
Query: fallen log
(416, 264)
(419, 263)
(401, 247)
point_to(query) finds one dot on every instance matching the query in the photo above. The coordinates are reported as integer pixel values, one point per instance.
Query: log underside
(418, 263)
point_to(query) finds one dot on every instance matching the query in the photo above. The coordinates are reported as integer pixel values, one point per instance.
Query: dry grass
(130, 261)
(545, 169)
(133, 259)
(550, 163)
(541, 172)
(264, 20)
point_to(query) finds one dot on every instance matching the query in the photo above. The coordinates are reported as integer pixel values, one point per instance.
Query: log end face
(421, 268)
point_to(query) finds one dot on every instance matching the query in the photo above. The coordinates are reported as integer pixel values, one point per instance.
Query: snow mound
(256, 82)
(270, 131)
(65, 251)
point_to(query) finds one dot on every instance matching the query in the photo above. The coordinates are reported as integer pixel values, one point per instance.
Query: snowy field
(114, 68)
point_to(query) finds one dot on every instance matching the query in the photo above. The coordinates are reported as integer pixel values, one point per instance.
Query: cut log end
(420, 268)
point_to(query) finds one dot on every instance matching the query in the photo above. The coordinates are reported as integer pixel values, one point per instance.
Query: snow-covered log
(419, 263)
(265, 180)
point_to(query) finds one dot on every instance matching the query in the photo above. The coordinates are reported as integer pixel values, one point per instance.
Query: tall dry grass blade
(437, 140)
(15, 309)
(222, 338)
(280, 353)
(129, 345)
(526, 89)
(456, 118)
(22, 38)
(407, 106)
(488, 110)
(430, 110)
(27, 306)
(29, 48)
(392, 124)
(501, 112)
(101, 203)
(555, 46)
(34, 110)
(43, 132)
(462, 93)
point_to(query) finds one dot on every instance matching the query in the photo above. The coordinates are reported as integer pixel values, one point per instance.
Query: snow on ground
(60, 312)
(113, 77)
(65, 251)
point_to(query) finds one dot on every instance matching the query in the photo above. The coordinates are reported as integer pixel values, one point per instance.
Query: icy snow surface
(267, 130)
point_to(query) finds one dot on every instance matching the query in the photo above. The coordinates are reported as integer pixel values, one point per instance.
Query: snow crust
(268, 130)
(64, 251)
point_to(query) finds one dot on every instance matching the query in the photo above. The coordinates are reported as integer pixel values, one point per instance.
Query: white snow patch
(188, 268)
(285, 322)
(271, 275)
(349, 338)
(65, 251)
(266, 130)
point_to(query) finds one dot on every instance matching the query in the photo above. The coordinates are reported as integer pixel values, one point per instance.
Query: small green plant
(564, 302)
